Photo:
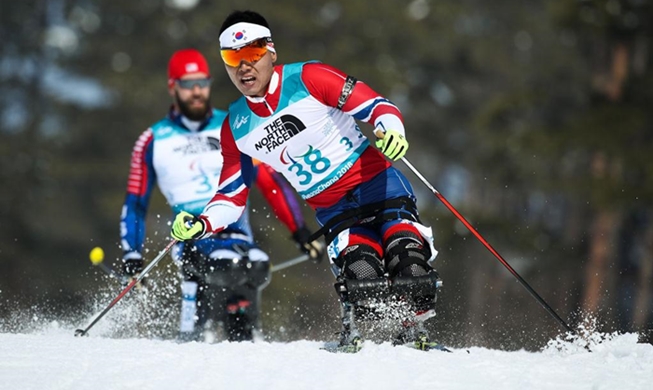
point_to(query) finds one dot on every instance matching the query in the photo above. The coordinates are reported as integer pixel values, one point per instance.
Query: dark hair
(243, 16)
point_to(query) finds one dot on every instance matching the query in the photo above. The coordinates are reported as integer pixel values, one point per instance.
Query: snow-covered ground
(53, 359)
(130, 348)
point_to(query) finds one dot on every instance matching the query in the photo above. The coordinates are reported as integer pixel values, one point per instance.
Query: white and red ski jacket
(305, 129)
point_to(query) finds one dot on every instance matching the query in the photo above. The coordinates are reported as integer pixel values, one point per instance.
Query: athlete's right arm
(230, 200)
(139, 188)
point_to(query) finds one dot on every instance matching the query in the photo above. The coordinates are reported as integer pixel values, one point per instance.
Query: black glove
(314, 249)
(132, 264)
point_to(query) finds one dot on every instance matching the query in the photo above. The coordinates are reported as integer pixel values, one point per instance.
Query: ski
(335, 347)
(424, 344)
(430, 347)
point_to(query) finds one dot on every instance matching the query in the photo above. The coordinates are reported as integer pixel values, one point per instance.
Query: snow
(52, 358)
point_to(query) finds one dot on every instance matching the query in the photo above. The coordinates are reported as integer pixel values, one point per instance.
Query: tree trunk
(642, 313)
(601, 249)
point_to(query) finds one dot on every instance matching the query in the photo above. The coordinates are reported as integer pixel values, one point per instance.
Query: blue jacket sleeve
(142, 178)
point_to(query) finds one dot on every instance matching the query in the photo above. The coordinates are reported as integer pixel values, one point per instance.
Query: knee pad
(406, 253)
(227, 268)
(361, 259)
(226, 273)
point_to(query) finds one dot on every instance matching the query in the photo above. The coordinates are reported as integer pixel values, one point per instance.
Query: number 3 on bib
(314, 161)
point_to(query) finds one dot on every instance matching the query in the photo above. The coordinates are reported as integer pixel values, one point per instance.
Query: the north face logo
(279, 131)
(198, 144)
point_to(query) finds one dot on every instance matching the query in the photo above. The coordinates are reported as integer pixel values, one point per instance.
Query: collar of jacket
(176, 116)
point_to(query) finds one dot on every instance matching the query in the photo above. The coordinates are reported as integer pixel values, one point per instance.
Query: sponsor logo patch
(279, 131)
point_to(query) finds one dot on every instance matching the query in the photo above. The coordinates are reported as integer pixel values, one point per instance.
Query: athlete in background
(223, 273)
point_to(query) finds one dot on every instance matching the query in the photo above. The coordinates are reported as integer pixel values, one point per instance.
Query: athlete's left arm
(334, 88)
(280, 196)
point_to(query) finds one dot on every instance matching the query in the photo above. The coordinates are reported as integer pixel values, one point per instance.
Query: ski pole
(487, 245)
(290, 263)
(97, 258)
(84, 332)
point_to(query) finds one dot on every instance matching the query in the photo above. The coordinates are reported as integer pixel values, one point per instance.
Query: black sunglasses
(191, 83)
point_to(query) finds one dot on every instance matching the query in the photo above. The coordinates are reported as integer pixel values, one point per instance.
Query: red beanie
(186, 61)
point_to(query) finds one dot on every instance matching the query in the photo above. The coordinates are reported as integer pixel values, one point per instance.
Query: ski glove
(313, 249)
(186, 227)
(393, 145)
(132, 263)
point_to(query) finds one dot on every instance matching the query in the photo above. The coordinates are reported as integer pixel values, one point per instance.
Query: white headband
(241, 34)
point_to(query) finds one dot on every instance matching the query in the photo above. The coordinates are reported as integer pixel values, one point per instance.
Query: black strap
(346, 91)
(375, 211)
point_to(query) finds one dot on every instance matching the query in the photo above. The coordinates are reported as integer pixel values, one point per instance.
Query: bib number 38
(313, 163)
